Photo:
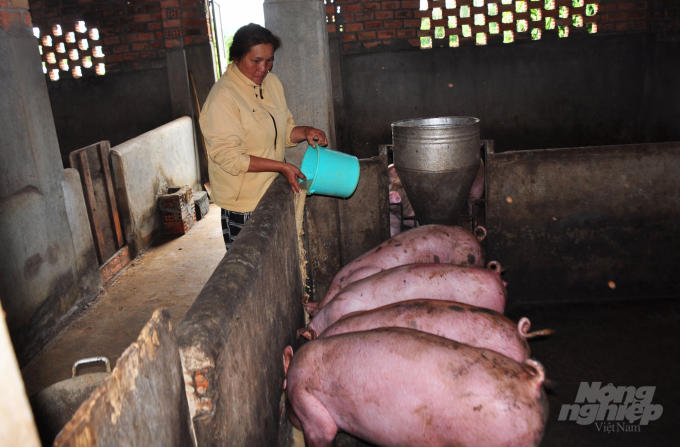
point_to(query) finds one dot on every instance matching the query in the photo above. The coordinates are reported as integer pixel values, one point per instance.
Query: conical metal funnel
(437, 159)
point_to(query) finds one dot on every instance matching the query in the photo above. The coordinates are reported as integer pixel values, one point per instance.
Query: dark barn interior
(578, 104)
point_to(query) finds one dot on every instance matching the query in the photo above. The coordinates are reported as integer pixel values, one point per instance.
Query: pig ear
(287, 357)
(537, 371)
(307, 332)
(311, 308)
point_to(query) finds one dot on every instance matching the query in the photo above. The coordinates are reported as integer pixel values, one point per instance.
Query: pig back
(471, 325)
(396, 386)
(428, 243)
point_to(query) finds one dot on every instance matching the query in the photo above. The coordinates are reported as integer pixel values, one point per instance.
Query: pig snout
(395, 197)
(524, 325)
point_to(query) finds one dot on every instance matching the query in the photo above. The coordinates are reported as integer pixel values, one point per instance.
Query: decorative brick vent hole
(71, 49)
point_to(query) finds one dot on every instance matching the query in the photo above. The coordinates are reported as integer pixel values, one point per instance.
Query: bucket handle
(90, 360)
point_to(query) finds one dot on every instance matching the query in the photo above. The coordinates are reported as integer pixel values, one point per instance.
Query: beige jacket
(237, 121)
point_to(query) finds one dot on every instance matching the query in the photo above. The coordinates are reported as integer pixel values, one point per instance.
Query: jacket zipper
(276, 131)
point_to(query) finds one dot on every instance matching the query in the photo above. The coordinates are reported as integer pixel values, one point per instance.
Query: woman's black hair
(249, 36)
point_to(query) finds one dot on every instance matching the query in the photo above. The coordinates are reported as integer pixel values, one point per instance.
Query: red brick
(191, 13)
(382, 15)
(618, 17)
(354, 27)
(607, 27)
(410, 4)
(372, 44)
(159, 34)
(331, 28)
(387, 34)
(136, 28)
(176, 23)
(373, 25)
(114, 58)
(642, 5)
(120, 48)
(637, 15)
(170, 4)
(169, 43)
(390, 5)
(351, 8)
(367, 35)
(349, 37)
(404, 14)
(348, 18)
(412, 23)
(393, 24)
(640, 25)
(154, 26)
(364, 17)
(624, 26)
(406, 33)
(414, 42)
(371, 6)
(19, 4)
(626, 6)
(129, 56)
(11, 20)
(155, 44)
(147, 54)
(188, 3)
(330, 9)
(188, 23)
(27, 19)
(143, 18)
(198, 39)
(127, 38)
(4, 4)
(111, 40)
(140, 46)
(145, 36)
(607, 7)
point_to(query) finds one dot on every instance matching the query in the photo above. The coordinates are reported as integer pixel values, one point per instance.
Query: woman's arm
(291, 172)
(312, 135)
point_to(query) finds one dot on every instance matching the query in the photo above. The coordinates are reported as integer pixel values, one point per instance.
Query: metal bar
(92, 206)
(113, 206)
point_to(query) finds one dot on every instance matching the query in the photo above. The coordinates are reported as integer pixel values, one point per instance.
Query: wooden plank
(92, 206)
(111, 194)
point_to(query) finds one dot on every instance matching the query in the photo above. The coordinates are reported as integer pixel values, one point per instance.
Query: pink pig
(470, 285)
(402, 387)
(474, 326)
(428, 243)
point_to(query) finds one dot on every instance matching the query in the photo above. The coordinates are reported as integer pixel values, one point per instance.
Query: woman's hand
(312, 135)
(291, 172)
(315, 136)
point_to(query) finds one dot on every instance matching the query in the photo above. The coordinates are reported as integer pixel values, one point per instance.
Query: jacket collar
(232, 70)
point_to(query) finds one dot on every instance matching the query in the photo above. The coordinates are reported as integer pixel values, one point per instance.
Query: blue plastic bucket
(330, 172)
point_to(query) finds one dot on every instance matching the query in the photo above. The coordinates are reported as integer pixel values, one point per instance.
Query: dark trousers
(232, 224)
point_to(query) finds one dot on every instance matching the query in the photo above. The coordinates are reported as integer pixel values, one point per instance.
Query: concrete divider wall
(144, 168)
(232, 339)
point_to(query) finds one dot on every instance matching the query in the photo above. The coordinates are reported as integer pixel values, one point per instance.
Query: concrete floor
(170, 275)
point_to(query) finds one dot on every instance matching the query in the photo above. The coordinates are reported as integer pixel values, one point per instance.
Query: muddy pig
(470, 285)
(471, 325)
(428, 243)
(402, 387)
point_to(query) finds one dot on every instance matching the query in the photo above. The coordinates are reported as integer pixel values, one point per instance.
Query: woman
(247, 126)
